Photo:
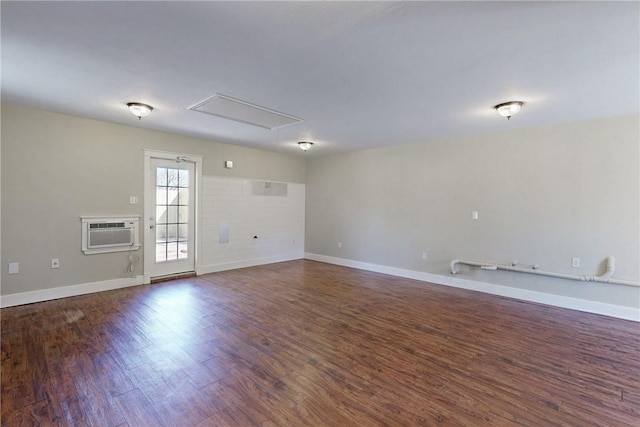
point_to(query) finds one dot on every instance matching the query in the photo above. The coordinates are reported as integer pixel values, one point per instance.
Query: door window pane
(183, 196)
(172, 196)
(172, 214)
(172, 232)
(183, 252)
(161, 195)
(183, 214)
(161, 214)
(183, 232)
(161, 233)
(161, 177)
(172, 251)
(172, 177)
(183, 178)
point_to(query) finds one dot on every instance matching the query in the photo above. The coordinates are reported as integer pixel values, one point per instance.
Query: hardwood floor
(311, 344)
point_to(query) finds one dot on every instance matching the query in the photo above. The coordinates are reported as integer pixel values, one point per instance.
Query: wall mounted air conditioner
(102, 234)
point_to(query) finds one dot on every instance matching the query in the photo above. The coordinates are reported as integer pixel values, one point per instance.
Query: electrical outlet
(339, 245)
(424, 256)
(575, 262)
(133, 200)
(55, 263)
(474, 214)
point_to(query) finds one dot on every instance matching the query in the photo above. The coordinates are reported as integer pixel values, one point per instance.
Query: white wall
(56, 168)
(277, 221)
(544, 195)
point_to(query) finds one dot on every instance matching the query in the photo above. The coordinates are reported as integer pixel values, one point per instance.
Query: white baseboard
(620, 312)
(67, 291)
(611, 310)
(214, 268)
(11, 300)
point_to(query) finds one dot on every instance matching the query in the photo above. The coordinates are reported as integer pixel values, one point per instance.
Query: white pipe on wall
(604, 278)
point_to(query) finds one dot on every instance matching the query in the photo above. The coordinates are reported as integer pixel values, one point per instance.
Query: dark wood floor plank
(36, 414)
(309, 344)
(138, 411)
(88, 379)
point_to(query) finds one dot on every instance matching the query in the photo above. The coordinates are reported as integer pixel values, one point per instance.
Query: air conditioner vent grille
(109, 234)
(107, 225)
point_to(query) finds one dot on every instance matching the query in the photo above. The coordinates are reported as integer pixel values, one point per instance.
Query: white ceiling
(361, 74)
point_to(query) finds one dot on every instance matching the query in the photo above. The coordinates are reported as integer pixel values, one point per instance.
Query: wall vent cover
(244, 112)
(266, 188)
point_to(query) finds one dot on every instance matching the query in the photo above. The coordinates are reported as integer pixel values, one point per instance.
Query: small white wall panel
(259, 226)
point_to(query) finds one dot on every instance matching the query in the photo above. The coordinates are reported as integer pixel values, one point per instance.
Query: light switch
(14, 268)
(474, 214)
(228, 164)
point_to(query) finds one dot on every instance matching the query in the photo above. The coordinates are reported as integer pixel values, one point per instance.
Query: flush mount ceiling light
(305, 145)
(508, 109)
(139, 110)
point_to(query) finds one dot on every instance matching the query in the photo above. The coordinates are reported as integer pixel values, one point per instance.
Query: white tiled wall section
(277, 221)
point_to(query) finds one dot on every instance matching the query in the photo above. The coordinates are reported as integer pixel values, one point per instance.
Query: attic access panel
(244, 112)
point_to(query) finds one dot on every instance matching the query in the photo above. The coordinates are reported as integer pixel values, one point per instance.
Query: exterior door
(171, 222)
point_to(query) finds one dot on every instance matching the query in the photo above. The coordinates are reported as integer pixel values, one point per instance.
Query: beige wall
(543, 195)
(57, 167)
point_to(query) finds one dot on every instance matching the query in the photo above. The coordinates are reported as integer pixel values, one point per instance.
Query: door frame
(149, 211)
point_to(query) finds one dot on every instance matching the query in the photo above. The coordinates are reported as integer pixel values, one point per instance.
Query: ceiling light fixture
(139, 110)
(508, 109)
(305, 145)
